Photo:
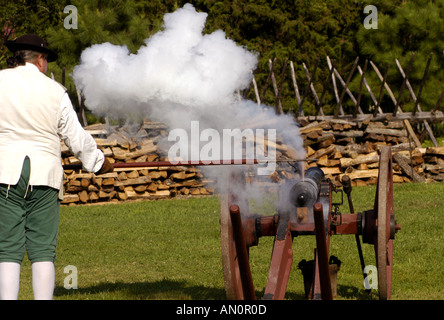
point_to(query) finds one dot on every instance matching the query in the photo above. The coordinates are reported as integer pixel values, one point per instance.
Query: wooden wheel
(385, 224)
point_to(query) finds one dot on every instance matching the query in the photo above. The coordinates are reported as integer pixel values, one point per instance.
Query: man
(36, 113)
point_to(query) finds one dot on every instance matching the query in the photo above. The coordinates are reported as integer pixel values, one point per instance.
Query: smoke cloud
(178, 76)
(178, 68)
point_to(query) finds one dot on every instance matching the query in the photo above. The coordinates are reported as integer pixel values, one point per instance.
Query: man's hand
(106, 167)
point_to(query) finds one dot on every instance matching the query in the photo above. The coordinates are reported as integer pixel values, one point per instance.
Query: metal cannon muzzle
(304, 193)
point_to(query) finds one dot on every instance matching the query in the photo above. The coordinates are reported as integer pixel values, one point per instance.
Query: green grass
(429, 143)
(170, 249)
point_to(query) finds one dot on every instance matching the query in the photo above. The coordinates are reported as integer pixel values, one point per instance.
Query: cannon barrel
(305, 192)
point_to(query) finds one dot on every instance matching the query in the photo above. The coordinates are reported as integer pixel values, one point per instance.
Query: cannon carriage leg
(236, 269)
(239, 232)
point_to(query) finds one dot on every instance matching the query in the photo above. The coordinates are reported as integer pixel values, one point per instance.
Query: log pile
(337, 146)
(432, 169)
(123, 184)
(343, 147)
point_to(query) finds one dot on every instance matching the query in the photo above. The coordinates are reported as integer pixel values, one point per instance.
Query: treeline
(299, 30)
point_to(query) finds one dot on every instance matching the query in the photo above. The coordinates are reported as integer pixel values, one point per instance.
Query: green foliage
(117, 22)
(25, 16)
(404, 28)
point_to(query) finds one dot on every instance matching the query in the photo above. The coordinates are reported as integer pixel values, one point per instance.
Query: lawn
(170, 249)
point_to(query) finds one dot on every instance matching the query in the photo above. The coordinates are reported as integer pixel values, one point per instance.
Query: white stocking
(9, 280)
(43, 280)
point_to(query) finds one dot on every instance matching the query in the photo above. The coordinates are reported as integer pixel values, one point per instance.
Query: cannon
(305, 207)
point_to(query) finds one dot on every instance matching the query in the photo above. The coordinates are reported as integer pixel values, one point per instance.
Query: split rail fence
(340, 86)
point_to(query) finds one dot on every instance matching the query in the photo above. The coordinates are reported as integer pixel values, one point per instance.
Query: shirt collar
(30, 65)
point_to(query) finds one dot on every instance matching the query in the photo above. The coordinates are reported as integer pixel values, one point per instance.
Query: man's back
(30, 113)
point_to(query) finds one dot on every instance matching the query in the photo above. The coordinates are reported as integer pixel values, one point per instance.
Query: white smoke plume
(178, 76)
(178, 68)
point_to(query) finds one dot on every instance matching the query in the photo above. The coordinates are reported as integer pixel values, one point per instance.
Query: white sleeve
(79, 141)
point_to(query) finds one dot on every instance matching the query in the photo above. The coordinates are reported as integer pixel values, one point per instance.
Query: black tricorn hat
(31, 42)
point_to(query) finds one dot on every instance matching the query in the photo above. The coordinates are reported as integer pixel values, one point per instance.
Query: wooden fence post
(350, 75)
(415, 98)
(406, 122)
(358, 103)
(403, 84)
(295, 84)
(307, 87)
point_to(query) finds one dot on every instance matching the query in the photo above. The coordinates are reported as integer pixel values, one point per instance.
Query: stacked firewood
(340, 147)
(121, 145)
(343, 147)
(337, 146)
(432, 169)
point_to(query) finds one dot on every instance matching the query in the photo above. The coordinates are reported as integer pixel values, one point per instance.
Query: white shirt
(35, 113)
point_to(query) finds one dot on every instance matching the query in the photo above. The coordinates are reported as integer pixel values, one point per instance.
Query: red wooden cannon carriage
(306, 208)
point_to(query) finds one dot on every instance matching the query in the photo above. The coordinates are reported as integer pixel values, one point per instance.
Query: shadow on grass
(167, 289)
(351, 292)
(158, 290)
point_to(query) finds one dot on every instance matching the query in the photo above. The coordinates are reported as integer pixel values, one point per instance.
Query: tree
(406, 27)
(25, 16)
(298, 30)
